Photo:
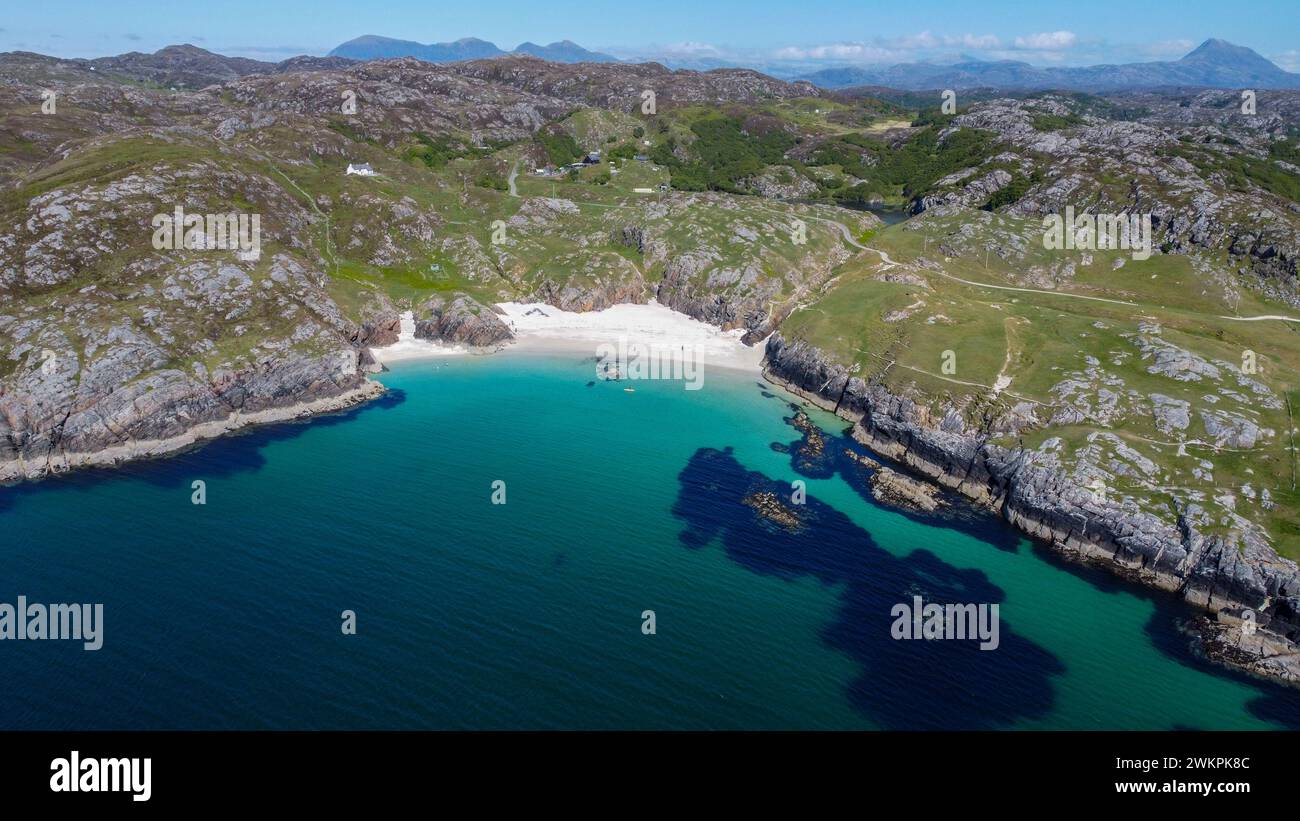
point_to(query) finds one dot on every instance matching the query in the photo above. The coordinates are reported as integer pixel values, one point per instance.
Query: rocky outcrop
(172, 349)
(632, 236)
(1224, 575)
(971, 195)
(378, 332)
(780, 183)
(685, 289)
(462, 321)
(716, 309)
(51, 428)
(893, 488)
(591, 295)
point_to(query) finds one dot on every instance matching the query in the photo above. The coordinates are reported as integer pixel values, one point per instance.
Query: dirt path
(1002, 382)
(514, 173)
(1261, 318)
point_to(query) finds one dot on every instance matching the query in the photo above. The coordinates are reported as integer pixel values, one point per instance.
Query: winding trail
(848, 235)
(844, 229)
(884, 257)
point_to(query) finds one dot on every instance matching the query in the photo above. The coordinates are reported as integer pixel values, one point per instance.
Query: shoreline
(539, 328)
(19, 470)
(546, 347)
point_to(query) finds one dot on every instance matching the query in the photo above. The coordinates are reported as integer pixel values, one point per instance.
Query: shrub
(723, 155)
(560, 148)
(1055, 122)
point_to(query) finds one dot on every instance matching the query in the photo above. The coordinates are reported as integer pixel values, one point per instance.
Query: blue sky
(756, 31)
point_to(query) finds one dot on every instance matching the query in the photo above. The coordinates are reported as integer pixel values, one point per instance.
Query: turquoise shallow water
(528, 614)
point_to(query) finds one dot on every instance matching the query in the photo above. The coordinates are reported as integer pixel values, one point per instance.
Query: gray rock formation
(461, 321)
(56, 423)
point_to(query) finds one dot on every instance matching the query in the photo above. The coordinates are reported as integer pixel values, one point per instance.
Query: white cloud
(1048, 40)
(693, 49)
(272, 53)
(973, 41)
(1040, 48)
(851, 52)
(926, 40)
(888, 50)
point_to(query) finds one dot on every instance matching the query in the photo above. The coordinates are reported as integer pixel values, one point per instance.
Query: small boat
(629, 390)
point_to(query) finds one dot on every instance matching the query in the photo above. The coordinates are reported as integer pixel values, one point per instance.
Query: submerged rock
(893, 488)
(770, 506)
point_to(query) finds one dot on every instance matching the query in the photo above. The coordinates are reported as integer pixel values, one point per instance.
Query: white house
(361, 169)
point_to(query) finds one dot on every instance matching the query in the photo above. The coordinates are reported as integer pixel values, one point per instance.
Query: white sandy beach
(539, 327)
(408, 347)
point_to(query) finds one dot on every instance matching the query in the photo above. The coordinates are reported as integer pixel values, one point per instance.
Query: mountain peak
(563, 51)
(186, 49)
(1219, 51)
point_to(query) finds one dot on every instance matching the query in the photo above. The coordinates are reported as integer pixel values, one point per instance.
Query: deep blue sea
(528, 614)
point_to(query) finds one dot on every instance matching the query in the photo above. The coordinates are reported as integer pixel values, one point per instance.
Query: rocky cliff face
(461, 321)
(57, 424)
(709, 284)
(590, 296)
(382, 330)
(1252, 594)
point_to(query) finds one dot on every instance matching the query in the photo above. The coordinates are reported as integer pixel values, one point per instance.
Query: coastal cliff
(60, 423)
(1251, 594)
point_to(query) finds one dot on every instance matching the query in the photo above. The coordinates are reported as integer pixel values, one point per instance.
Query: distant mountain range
(193, 67)
(374, 47)
(1214, 64)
